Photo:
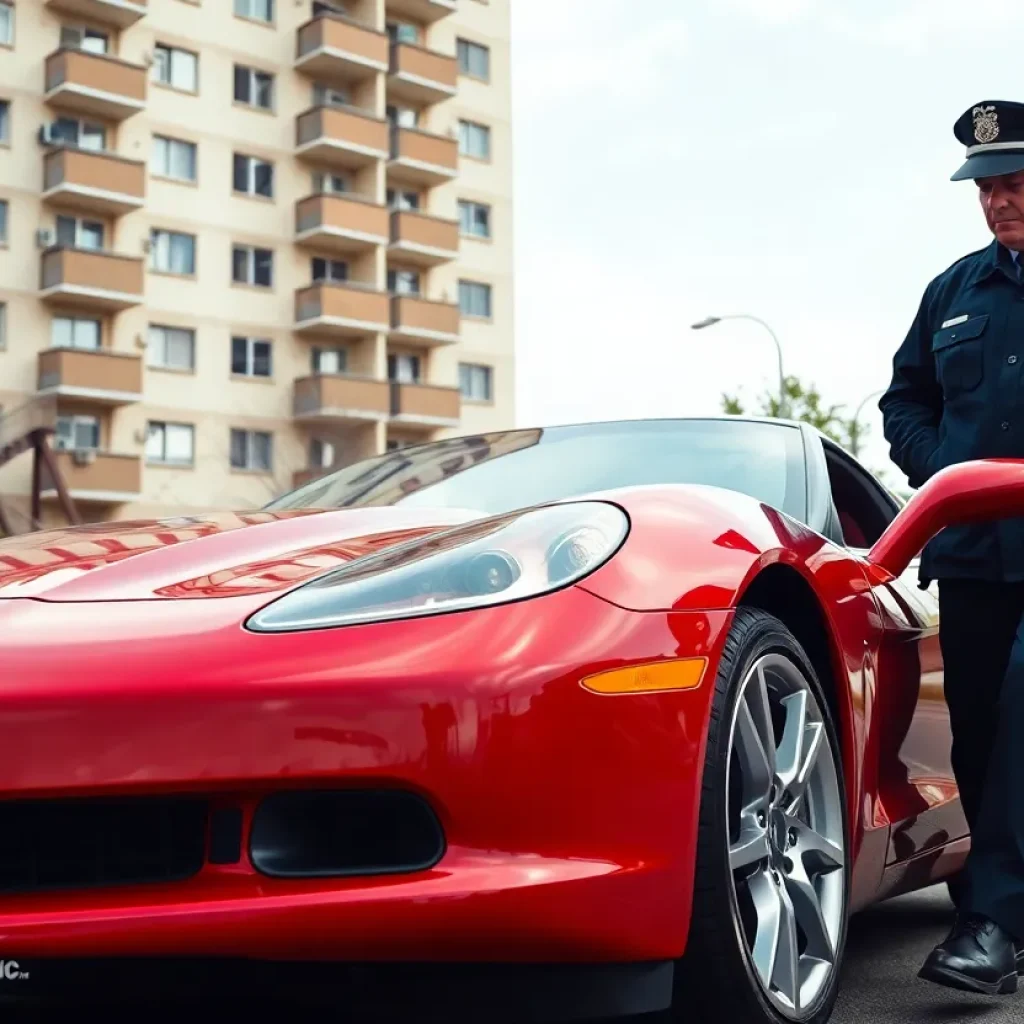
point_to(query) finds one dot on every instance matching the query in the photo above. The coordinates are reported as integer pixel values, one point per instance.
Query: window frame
(190, 428)
(167, 330)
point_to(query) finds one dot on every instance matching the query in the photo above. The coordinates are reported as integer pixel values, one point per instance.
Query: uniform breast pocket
(960, 355)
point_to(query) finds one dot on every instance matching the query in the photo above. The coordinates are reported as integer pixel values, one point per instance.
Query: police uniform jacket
(957, 393)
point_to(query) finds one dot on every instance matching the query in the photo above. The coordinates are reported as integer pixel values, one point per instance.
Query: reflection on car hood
(210, 556)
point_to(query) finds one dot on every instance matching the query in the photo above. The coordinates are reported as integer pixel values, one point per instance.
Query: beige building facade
(242, 241)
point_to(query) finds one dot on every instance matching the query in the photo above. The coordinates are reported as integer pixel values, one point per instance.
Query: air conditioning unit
(45, 237)
(83, 456)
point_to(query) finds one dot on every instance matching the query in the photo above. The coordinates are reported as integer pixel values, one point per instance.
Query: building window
(3, 325)
(475, 299)
(251, 357)
(330, 95)
(474, 60)
(251, 449)
(79, 234)
(328, 270)
(77, 433)
(5, 121)
(78, 37)
(172, 252)
(404, 117)
(475, 140)
(475, 382)
(172, 444)
(404, 369)
(404, 282)
(171, 348)
(330, 360)
(6, 24)
(176, 68)
(83, 134)
(474, 219)
(173, 158)
(258, 10)
(253, 176)
(403, 200)
(75, 332)
(254, 88)
(250, 265)
(403, 32)
(321, 454)
(3, 221)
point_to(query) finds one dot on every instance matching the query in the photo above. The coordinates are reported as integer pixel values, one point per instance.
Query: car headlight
(488, 562)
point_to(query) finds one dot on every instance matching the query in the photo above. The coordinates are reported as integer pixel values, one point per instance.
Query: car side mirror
(969, 492)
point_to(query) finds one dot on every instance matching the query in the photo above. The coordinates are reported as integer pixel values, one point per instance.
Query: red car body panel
(570, 817)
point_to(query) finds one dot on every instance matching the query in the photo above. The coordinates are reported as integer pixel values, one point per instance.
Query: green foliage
(804, 402)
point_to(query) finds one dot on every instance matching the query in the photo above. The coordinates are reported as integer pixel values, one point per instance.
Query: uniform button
(1012, 360)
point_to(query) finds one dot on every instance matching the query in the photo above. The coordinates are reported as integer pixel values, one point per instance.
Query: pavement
(886, 947)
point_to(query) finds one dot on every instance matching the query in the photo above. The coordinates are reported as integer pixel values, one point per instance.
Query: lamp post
(855, 422)
(712, 320)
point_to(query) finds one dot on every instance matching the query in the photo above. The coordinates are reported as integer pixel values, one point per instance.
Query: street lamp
(855, 435)
(712, 320)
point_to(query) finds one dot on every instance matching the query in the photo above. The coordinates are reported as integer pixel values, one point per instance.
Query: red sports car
(546, 724)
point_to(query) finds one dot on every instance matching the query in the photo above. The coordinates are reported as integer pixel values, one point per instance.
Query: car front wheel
(771, 894)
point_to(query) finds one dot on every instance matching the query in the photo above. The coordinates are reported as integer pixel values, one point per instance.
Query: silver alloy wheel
(786, 835)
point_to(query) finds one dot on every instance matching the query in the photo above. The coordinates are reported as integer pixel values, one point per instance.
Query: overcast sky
(787, 158)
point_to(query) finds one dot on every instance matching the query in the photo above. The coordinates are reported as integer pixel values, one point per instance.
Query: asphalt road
(887, 945)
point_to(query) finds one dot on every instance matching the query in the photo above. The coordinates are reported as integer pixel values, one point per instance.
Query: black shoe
(978, 957)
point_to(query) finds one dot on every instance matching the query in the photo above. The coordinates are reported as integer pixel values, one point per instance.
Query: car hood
(211, 556)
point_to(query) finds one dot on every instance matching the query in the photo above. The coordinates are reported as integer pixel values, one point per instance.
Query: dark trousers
(983, 656)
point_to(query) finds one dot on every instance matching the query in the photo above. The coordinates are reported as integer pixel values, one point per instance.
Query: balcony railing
(419, 75)
(345, 309)
(334, 46)
(341, 222)
(345, 137)
(98, 477)
(423, 239)
(425, 405)
(424, 321)
(342, 397)
(94, 84)
(91, 278)
(98, 375)
(98, 182)
(421, 157)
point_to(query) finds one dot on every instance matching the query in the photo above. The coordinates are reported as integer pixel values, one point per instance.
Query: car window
(497, 473)
(864, 507)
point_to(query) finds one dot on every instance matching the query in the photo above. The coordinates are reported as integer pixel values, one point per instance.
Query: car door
(912, 738)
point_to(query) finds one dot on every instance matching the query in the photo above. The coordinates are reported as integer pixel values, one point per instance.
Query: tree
(804, 402)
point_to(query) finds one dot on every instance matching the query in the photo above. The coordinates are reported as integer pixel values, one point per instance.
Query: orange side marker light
(654, 677)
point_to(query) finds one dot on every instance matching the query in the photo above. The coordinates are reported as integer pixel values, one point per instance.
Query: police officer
(957, 393)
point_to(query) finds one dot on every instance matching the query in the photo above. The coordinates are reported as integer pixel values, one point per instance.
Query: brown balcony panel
(337, 396)
(419, 75)
(91, 280)
(422, 239)
(340, 224)
(95, 375)
(340, 309)
(341, 137)
(425, 405)
(422, 158)
(301, 477)
(421, 10)
(95, 85)
(423, 321)
(331, 46)
(98, 182)
(121, 13)
(97, 477)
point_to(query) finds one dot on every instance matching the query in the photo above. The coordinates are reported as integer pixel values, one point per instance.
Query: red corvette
(549, 724)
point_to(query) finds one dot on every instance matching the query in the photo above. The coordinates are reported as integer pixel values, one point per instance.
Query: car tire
(719, 980)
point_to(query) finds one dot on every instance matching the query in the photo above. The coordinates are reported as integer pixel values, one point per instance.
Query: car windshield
(501, 472)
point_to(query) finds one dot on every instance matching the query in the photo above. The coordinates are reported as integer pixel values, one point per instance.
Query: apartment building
(243, 241)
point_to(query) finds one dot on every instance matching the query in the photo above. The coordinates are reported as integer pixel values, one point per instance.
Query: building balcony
(426, 11)
(95, 375)
(339, 397)
(422, 239)
(340, 309)
(121, 13)
(101, 183)
(91, 279)
(94, 85)
(343, 137)
(422, 158)
(425, 405)
(340, 222)
(331, 46)
(423, 321)
(96, 477)
(418, 75)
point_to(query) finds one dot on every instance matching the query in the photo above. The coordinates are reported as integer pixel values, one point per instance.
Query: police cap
(993, 132)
